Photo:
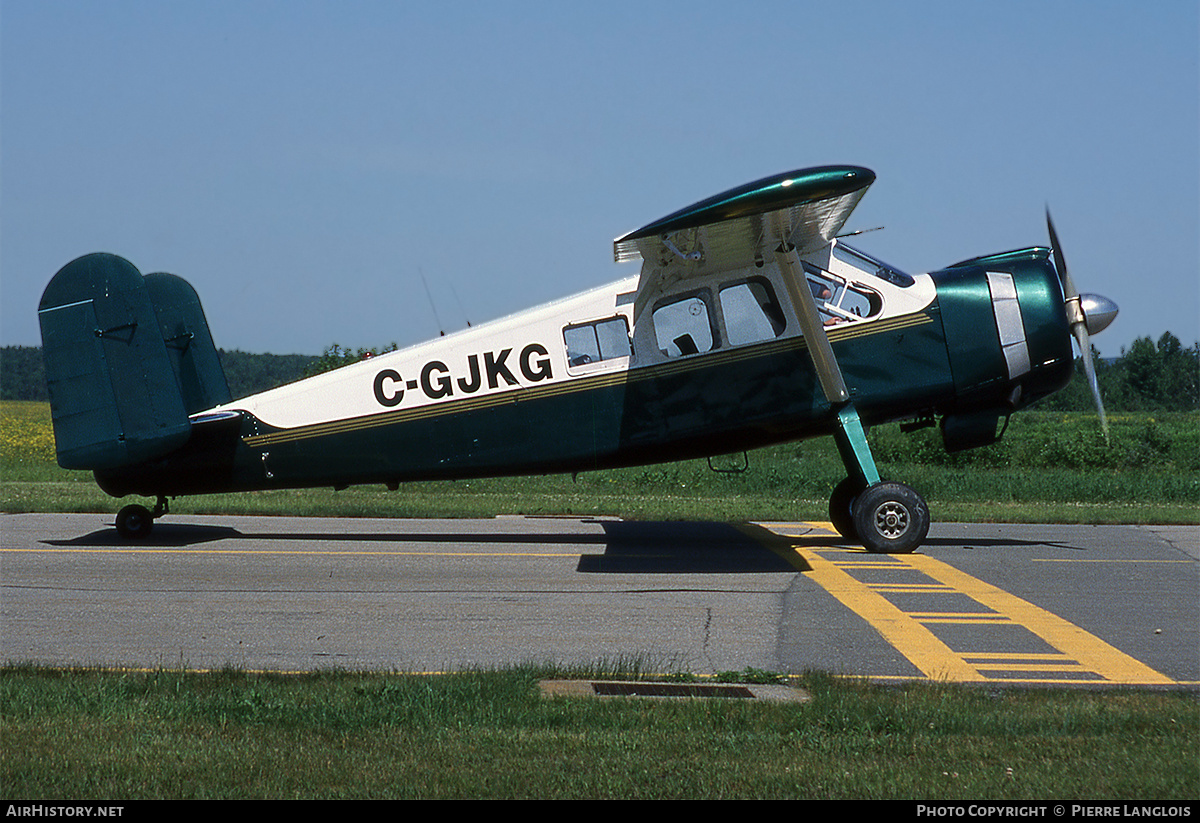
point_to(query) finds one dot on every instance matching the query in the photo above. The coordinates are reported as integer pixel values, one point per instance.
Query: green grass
(90, 734)
(1050, 467)
(167, 734)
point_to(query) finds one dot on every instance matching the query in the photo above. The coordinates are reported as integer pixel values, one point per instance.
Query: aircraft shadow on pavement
(165, 535)
(705, 548)
(628, 547)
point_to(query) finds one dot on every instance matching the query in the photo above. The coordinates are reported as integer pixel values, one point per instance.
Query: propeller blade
(1078, 320)
(1060, 261)
(1089, 369)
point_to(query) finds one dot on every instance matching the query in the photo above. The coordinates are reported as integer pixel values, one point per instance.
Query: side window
(593, 342)
(825, 292)
(751, 312)
(684, 326)
(859, 303)
(839, 302)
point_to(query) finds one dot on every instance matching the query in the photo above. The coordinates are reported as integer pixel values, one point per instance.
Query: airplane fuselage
(711, 365)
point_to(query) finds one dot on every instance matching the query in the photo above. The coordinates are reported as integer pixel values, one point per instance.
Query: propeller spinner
(1087, 314)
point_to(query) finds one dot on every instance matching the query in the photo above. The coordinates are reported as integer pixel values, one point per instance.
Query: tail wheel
(891, 518)
(134, 522)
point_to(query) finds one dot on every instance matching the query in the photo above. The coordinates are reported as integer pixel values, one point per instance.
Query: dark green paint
(973, 343)
(976, 360)
(188, 342)
(114, 398)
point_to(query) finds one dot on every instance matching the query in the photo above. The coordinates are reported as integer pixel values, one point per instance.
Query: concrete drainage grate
(659, 689)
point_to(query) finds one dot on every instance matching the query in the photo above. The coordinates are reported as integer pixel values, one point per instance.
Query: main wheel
(134, 522)
(891, 518)
(841, 508)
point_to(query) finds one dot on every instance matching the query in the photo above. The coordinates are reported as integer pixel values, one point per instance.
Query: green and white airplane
(751, 323)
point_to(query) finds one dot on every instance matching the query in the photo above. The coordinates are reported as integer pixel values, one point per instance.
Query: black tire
(891, 518)
(841, 508)
(134, 522)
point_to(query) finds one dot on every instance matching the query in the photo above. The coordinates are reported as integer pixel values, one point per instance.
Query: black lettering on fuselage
(437, 381)
(496, 369)
(476, 381)
(380, 393)
(535, 371)
(440, 387)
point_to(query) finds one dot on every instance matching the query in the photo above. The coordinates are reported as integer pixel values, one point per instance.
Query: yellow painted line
(1090, 651)
(868, 564)
(804, 527)
(977, 618)
(1077, 650)
(1034, 662)
(1050, 656)
(1034, 667)
(923, 649)
(1137, 560)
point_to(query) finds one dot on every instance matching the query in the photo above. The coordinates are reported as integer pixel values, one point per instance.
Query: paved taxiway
(980, 603)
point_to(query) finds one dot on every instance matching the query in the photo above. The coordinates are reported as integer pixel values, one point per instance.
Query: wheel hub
(891, 520)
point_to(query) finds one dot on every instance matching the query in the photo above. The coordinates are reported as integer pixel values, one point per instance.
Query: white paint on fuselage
(486, 359)
(527, 349)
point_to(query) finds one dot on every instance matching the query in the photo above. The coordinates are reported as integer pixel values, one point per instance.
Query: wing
(742, 226)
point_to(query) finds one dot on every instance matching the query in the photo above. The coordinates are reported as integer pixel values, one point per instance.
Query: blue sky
(303, 164)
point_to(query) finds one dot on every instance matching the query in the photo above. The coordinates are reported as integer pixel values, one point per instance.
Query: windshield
(864, 262)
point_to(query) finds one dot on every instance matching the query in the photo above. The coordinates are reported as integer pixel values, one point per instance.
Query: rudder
(189, 343)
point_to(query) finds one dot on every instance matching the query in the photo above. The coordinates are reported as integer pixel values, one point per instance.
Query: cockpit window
(751, 312)
(684, 326)
(600, 340)
(838, 301)
(864, 262)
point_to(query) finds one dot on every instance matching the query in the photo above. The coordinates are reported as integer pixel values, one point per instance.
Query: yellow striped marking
(1090, 651)
(1077, 651)
(929, 654)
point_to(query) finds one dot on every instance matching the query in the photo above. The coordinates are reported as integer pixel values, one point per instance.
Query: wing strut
(850, 437)
(828, 371)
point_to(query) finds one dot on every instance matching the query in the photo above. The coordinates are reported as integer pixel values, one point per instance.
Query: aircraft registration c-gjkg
(750, 323)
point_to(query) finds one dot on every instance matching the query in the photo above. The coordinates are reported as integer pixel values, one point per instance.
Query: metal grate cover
(659, 689)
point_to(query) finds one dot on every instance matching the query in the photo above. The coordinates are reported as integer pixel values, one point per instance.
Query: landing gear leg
(135, 522)
(883, 516)
(852, 445)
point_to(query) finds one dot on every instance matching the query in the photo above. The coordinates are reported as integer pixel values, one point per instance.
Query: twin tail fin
(128, 359)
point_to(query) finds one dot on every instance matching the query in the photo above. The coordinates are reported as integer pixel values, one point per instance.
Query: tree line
(1162, 376)
(23, 374)
(1150, 376)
